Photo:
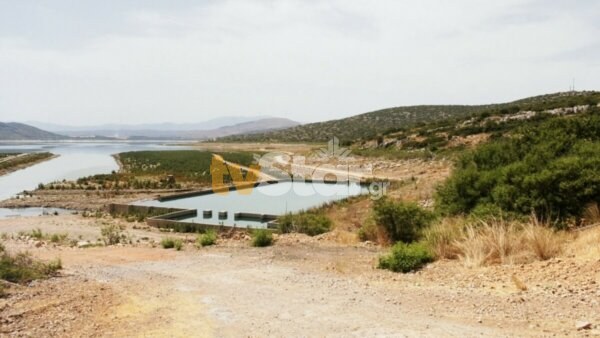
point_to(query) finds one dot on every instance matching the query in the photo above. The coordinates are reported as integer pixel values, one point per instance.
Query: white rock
(583, 325)
(82, 244)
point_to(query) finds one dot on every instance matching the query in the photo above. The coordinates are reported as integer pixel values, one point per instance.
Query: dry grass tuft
(591, 214)
(542, 241)
(585, 244)
(473, 250)
(504, 242)
(340, 236)
(491, 242)
(442, 237)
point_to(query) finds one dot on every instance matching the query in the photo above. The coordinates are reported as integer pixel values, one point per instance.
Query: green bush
(58, 238)
(551, 169)
(308, 223)
(406, 257)
(37, 233)
(403, 221)
(178, 244)
(22, 268)
(261, 238)
(206, 239)
(369, 231)
(170, 243)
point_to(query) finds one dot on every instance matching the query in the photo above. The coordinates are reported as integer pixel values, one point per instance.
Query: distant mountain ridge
(20, 131)
(14, 131)
(167, 126)
(258, 126)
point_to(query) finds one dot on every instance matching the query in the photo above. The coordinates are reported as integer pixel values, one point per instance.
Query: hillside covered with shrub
(381, 123)
(551, 168)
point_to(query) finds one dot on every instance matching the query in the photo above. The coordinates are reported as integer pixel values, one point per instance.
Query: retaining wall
(254, 217)
(129, 209)
(168, 218)
(213, 190)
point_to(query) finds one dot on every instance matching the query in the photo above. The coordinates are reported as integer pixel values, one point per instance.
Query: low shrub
(112, 234)
(370, 231)
(403, 221)
(170, 243)
(58, 238)
(178, 244)
(308, 223)
(406, 257)
(262, 238)
(206, 239)
(37, 233)
(22, 268)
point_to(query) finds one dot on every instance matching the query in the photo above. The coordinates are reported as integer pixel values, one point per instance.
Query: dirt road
(300, 287)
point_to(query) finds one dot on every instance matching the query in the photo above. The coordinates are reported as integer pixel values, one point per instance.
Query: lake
(77, 159)
(273, 199)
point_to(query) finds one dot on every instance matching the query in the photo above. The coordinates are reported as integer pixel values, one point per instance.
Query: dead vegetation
(495, 242)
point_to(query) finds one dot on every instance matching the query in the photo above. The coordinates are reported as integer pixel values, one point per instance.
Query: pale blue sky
(87, 62)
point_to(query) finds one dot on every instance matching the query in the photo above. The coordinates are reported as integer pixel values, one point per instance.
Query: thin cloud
(126, 61)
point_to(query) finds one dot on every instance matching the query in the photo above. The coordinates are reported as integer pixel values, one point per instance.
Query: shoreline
(10, 170)
(117, 159)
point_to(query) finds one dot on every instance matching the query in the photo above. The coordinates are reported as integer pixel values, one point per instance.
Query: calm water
(25, 212)
(83, 159)
(77, 159)
(274, 199)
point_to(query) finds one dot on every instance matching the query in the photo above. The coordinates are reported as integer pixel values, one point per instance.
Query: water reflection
(77, 159)
(273, 199)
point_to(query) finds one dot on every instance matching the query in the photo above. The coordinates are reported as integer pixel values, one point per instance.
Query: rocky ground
(301, 286)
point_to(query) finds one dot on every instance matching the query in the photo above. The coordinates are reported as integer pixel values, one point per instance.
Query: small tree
(403, 221)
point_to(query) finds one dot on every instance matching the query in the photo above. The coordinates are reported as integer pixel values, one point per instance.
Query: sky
(124, 61)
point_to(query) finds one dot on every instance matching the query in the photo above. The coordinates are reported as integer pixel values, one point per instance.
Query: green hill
(382, 122)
